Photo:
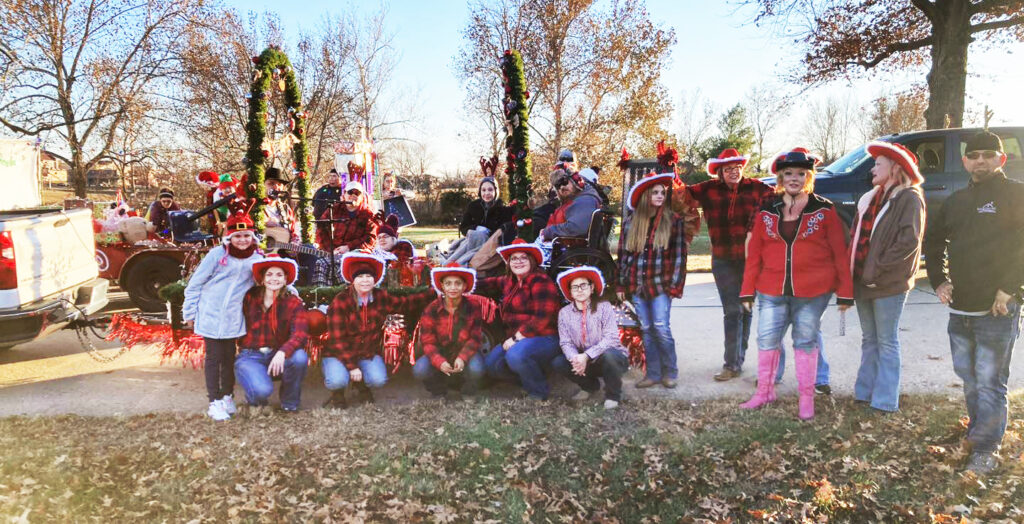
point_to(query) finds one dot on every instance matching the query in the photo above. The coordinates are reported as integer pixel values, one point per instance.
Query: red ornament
(526, 93)
(266, 154)
(302, 174)
(266, 201)
(256, 60)
(317, 322)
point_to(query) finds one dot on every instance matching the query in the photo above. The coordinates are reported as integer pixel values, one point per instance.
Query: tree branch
(926, 7)
(998, 24)
(891, 50)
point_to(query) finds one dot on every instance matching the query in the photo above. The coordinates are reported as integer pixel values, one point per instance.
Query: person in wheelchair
(578, 199)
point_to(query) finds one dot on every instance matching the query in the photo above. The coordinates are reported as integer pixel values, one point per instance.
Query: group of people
(783, 249)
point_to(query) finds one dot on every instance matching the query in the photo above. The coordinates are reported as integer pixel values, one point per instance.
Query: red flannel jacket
(446, 336)
(817, 261)
(291, 331)
(529, 306)
(356, 333)
(357, 230)
(654, 272)
(728, 212)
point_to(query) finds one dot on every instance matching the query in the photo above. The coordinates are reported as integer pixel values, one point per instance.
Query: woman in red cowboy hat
(796, 260)
(213, 301)
(349, 225)
(529, 306)
(588, 332)
(652, 270)
(276, 333)
(884, 257)
(355, 322)
(450, 334)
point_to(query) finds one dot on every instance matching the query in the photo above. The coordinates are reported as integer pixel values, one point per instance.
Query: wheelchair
(592, 250)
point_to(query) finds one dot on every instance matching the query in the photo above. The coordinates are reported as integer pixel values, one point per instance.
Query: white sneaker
(611, 404)
(216, 411)
(229, 404)
(581, 396)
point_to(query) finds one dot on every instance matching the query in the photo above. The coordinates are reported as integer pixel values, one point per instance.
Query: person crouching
(450, 334)
(276, 332)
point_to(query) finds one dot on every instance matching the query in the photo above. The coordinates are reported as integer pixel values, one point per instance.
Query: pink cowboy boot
(806, 367)
(767, 363)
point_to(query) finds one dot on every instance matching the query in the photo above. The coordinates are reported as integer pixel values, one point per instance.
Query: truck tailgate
(54, 251)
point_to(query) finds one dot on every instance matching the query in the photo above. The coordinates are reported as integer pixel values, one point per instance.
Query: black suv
(939, 154)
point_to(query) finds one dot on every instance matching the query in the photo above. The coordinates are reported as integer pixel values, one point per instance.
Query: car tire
(146, 277)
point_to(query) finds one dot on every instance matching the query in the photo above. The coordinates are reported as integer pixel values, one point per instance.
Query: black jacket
(980, 229)
(491, 218)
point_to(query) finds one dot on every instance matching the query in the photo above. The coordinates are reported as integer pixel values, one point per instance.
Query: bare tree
(765, 109)
(76, 68)
(696, 120)
(829, 126)
(896, 113)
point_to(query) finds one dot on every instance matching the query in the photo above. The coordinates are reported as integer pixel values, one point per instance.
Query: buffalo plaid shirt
(529, 307)
(357, 230)
(654, 272)
(728, 212)
(446, 336)
(867, 222)
(356, 332)
(289, 333)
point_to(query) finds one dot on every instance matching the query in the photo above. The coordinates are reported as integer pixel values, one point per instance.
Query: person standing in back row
(979, 231)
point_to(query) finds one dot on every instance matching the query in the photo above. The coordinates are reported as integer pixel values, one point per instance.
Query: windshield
(846, 163)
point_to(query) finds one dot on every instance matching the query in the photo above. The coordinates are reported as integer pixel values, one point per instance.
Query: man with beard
(979, 231)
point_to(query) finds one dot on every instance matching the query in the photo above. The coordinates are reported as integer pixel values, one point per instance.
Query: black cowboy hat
(276, 174)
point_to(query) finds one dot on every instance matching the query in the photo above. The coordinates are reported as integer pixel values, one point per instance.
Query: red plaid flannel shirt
(446, 336)
(529, 307)
(291, 331)
(654, 272)
(356, 333)
(867, 222)
(357, 231)
(728, 212)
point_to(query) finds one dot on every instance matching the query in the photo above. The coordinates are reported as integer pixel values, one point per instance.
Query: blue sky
(712, 39)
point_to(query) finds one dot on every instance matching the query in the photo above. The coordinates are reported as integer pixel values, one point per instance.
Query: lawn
(512, 461)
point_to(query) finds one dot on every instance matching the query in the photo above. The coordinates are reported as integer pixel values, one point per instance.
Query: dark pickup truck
(939, 153)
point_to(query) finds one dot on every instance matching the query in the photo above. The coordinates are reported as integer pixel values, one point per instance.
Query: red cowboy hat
(645, 183)
(728, 156)
(521, 246)
(289, 266)
(468, 275)
(899, 154)
(354, 261)
(590, 273)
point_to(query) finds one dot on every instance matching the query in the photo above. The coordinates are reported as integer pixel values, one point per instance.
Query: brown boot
(336, 400)
(364, 394)
(645, 383)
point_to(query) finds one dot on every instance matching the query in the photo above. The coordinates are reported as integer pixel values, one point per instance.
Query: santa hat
(289, 266)
(796, 157)
(355, 263)
(591, 273)
(728, 156)
(645, 183)
(521, 246)
(389, 227)
(467, 274)
(899, 154)
(238, 222)
(209, 179)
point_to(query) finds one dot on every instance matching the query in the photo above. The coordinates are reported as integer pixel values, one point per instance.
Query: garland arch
(272, 65)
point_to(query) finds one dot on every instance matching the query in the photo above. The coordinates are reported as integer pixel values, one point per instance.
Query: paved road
(55, 376)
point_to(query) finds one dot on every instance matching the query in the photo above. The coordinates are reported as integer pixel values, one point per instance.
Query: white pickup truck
(48, 271)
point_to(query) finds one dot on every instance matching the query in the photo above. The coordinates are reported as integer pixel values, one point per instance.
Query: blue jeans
(820, 376)
(610, 366)
(251, 370)
(777, 313)
(982, 348)
(656, 330)
(878, 379)
(527, 360)
(375, 373)
(438, 383)
(728, 279)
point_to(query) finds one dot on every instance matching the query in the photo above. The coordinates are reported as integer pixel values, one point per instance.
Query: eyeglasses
(987, 155)
(580, 287)
(518, 258)
(731, 169)
(353, 192)
(561, 181)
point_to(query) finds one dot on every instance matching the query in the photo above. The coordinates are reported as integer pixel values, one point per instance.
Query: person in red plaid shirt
(355, 324)
(276, 333)
(652, 271)
(450, 334)
(529, 305)
(354, 227)
(729, 201)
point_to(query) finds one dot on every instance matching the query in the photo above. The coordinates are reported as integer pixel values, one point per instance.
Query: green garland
(517, 143)
(273, 64)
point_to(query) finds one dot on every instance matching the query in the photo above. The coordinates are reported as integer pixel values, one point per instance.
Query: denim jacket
(213, 297)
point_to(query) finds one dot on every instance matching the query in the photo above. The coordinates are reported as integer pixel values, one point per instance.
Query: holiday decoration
(273, 64)
(517, 143)
(624, 160)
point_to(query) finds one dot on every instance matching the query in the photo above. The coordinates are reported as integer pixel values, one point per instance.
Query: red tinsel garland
(634, 343)
(182, 344)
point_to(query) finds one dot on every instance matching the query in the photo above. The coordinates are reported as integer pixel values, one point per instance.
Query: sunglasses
(987, 155)
(354, 192)
(561, 182)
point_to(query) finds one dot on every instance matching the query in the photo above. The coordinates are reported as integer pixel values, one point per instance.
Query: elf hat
(521, 246)
(728, 156)
(590, 273)
(289, 266)
(238, 222)
(225, 181)
(355, 263)
(899, 154)
(645, 183)
(467, 274)
(796, 157)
